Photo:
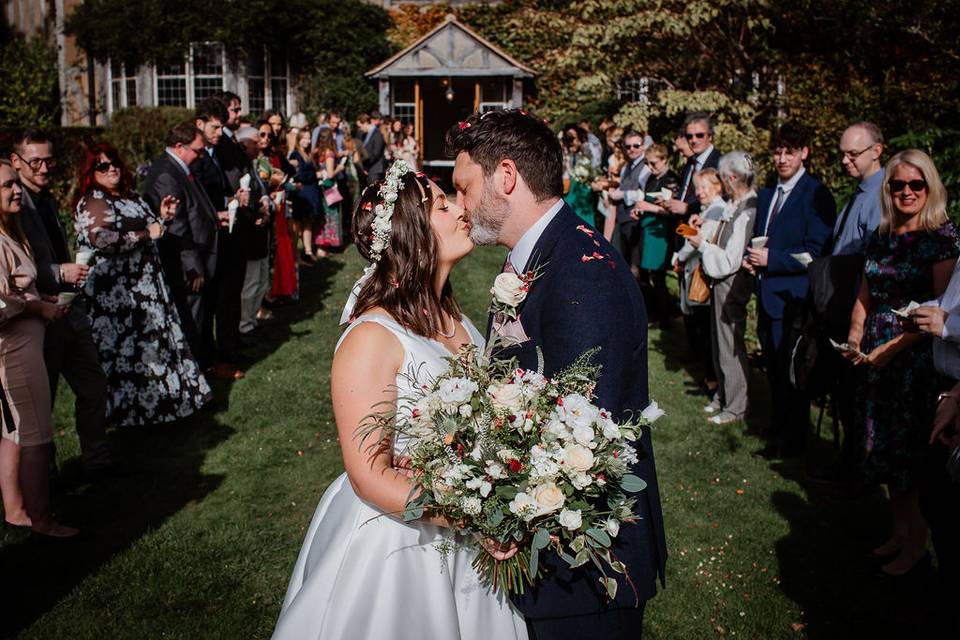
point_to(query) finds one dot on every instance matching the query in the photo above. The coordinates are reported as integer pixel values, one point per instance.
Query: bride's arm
(364, 374)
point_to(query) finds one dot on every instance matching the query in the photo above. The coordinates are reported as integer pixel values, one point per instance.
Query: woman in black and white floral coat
(152, 375)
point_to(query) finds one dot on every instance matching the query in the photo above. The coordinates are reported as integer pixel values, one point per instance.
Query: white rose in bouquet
(509, 289)
(613, 527)
(577, 411)
(584, 435)
(524, 506)
(581, 481)
(609, 428)
(557, 429)
(456, 391)
(507, 396)
(549, 498)
(577, 457)
(495, 470)
(570, 519)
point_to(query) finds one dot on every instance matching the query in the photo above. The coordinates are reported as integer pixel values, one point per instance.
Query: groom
(508, 178)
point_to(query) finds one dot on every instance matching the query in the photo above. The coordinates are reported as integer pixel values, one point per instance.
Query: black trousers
(697, 327)
(69, 351)
(618, 624)
(790, 416)
(191, 307)
(225, 294)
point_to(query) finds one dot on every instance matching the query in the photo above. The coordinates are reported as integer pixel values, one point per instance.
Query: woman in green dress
(657, 227)
(578, 174)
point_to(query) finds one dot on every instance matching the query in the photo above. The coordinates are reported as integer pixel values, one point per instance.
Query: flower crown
(383, 212)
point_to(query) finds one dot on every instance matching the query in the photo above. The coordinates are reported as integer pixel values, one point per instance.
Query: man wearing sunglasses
(68, 347)
(796, 216)
(632, 178)
(698, 131)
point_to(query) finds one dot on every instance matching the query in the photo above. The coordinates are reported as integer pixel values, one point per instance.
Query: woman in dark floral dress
(152, 376)
(910, 258)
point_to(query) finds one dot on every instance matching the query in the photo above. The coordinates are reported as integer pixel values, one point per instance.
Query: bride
(362, 571)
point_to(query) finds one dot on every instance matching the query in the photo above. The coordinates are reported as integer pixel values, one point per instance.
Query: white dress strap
(386, 322)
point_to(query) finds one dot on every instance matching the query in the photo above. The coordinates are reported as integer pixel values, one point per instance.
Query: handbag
(698, 291)
(332, 195)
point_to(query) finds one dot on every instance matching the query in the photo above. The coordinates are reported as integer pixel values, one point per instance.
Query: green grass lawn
(199, 540)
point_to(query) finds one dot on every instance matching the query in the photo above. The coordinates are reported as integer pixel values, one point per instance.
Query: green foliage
(139, 133)
(29, 92)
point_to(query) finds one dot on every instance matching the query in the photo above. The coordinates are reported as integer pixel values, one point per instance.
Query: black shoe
(9, 526)
(44, 539)
(921, 569)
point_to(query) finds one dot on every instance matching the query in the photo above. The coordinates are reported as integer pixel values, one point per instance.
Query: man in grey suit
(375, 163)
(68, 347)
(188, 249)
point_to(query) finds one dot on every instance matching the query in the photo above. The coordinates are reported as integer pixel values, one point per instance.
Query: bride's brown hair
(403, 279)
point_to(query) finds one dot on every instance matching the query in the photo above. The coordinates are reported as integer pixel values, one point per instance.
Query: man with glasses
(68, 347)
(698, 131)
(188, 248)
(633, 175)
(796, 217)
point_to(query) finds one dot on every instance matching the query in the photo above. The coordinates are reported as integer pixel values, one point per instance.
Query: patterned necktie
(776, 209)
(508, 265)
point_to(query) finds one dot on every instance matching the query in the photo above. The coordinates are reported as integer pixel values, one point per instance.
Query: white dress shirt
(521, 251)
(720, 262)
(786, 187)
(176, 158)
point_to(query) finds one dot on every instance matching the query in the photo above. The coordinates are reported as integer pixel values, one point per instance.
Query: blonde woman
(911, 257)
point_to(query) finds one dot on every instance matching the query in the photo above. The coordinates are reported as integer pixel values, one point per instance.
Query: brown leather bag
(698, 291)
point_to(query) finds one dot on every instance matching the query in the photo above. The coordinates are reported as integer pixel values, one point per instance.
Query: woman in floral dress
(152, 376)
(910, 258)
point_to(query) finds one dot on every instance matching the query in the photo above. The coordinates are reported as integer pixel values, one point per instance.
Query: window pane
(492, 90)
(278, 94)
(171, 70)
(278, 63)
(131, 92)
(404, 112)
(256, 64)
(256, 92)
(172, 92)
(403, 90)
(207, 60)
(115, 94)
(206, 87)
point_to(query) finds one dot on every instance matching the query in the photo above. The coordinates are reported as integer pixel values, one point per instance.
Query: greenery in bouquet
(513, 456)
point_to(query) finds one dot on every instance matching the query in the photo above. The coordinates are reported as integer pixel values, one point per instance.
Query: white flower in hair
(383, 212)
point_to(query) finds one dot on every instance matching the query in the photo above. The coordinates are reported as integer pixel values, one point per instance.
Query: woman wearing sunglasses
(152, 376)
(910, 258)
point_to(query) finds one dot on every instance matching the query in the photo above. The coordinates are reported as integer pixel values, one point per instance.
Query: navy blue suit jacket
(572, 307)
(804, 224)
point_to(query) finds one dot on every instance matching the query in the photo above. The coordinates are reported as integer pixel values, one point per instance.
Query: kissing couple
(363, 572)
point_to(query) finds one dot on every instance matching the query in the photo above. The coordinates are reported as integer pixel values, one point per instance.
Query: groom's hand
(499, 550)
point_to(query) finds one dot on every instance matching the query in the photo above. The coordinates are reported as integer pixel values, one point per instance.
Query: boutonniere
(509, 290)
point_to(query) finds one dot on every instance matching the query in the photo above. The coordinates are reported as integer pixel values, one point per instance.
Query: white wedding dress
(365, 575)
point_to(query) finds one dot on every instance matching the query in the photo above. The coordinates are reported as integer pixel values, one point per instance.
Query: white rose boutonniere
(509, 289)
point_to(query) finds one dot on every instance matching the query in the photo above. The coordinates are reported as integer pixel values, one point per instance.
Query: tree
(29, 93)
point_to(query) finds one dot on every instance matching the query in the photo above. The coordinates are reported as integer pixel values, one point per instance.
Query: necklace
(451, 334)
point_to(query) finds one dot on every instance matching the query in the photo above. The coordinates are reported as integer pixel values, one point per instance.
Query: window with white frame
(123, 87)
(634, 89)
(404, 105)
(207, 66)
(256, 70)
(172, 85)
(493, 94)
(268, 84)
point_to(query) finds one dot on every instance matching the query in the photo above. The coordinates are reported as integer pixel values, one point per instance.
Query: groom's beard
(488, 219)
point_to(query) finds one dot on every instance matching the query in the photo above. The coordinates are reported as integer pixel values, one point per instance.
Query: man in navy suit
(698, 131)
(508, 177)
(796, 216)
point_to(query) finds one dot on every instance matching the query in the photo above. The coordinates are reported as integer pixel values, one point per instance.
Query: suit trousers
(69, 350)
(728, 306)
(255, 287)
(790, 414)
(940, 505)
(618, 624)
(227, 291)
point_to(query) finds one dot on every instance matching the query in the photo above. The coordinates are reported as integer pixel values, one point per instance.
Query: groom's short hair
(515, 134)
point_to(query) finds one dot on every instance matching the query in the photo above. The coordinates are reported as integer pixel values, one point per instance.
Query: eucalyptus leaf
(578, 543)
(632, 484)
(610, 585)
(569, 559)
(541, 539)
(600, 536)
(534, 561)
(496, 517)
(583, 557)
(506, 491)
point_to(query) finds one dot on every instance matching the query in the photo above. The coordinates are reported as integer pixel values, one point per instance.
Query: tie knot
(508, 265)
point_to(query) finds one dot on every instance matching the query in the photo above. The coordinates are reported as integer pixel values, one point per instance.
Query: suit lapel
(786, 207)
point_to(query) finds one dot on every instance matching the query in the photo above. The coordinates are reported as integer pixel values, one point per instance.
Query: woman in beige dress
(26, 446)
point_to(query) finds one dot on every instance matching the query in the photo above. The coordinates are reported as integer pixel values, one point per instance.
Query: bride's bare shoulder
(369, 344)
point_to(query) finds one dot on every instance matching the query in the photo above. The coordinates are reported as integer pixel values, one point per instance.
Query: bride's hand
(498, 550)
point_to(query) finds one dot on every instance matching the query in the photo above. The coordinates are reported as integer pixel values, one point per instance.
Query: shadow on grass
(165, 478)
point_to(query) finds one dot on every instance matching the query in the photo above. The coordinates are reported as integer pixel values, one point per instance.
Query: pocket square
(510, 330)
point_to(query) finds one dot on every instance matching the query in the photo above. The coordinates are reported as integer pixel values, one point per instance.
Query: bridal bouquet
(511, 455)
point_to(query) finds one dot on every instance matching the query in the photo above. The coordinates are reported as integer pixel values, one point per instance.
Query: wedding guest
(330, 235)
(256, 281)
(634, 174)
(152, 376)
(910, 258)
(578, 174)
(698, 132)
(306, 200)
(374, 164)
(861, 148)
(68, 347)
(796, 218)
(697, 316)
(321, 124)
(593, 144)
(656, 226)
(188, 248)
(721, 244)
(394, 138)
(277, 123)
(407, 149)
(26, 441)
